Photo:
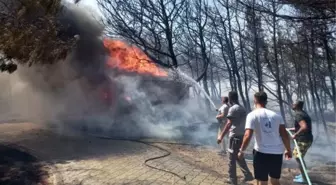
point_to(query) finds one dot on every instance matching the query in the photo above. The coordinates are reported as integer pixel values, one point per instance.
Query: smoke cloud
(65, 95)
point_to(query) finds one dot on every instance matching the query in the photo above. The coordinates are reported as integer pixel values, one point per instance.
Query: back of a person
(271, 139)
(238, 118)
(267, 136)
(305, 136)
(223, 110)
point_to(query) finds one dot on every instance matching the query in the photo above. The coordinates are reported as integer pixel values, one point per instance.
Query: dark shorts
(267, 165)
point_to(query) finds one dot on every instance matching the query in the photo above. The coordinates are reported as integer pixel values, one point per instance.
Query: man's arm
(249, 127)
(246, 140)
(223, 114)
(230, 114)
(291, 129)
(219, 116)
(225, 130)
(285, 137)
(303, 128)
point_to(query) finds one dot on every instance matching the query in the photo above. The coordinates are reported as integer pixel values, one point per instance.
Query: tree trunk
(307, 102)
(219, 84)
(314, 89)
(331, 73)
(285, 85)
(247, 101)
(277, 72)
(168, 33)
(256, 50)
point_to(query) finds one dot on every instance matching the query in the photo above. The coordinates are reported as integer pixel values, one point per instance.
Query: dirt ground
(75, 160)
(208, 158)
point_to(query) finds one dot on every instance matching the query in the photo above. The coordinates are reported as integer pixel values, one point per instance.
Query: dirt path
(208, 158)
(74, 160)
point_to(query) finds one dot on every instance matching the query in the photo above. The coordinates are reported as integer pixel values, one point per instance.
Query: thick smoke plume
(66, 95)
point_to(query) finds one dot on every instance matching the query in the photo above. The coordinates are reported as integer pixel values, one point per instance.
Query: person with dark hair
(303, 135)
(221, 117)
(235, 125)
(270, 139)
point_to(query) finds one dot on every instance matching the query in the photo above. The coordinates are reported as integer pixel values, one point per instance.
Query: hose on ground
(167, 153)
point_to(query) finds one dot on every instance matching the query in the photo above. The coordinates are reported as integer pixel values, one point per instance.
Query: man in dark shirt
(303, 135)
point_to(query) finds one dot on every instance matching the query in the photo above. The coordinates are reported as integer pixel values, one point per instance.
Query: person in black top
(303, 135)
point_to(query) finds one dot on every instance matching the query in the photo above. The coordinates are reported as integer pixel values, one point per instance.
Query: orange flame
(131, 59)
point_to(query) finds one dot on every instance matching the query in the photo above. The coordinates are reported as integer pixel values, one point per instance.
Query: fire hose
(167, 153)
(300, 158)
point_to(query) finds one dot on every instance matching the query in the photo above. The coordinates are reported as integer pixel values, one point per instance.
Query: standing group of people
(271, 140)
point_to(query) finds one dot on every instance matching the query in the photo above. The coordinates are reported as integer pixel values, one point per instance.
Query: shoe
(299, 180)
(298, 176)
(222, 152)
(248, 178)
(229, 181)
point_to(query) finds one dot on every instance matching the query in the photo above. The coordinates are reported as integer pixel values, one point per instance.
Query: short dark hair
(225, 99)
(299, 104)
(261, 97)
(233, 96)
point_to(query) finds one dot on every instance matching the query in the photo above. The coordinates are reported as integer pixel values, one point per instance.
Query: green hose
(300, 158)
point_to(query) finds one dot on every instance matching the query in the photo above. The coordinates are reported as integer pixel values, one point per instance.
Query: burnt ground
(324, 174)
(18, 167)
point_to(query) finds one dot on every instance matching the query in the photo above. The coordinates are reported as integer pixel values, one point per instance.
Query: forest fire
(130, 59)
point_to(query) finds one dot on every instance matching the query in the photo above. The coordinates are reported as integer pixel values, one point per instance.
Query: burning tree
(31, 33)
(151, 25)
(131, 59)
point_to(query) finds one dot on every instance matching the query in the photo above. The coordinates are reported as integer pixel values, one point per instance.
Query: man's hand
(219, 139)
(240, 155)
(288, 155)
(291, 129)
(294, 136)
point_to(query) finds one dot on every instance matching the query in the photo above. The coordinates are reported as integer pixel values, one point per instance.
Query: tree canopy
(31, 33)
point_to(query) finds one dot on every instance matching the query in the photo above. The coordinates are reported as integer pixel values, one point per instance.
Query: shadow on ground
(18, 167)
(68, 142)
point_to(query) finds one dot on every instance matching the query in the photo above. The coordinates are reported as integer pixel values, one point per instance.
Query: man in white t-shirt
(221, 117)
(270, 138)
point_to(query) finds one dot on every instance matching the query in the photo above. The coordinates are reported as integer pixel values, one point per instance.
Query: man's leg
(275, 181)
(224, 143)
(242, 162)
(261, 182)
(233, 155)
(303, 147)
(218, 133)
(260, 168)
(244, 168)
(275, 168)
(301, 168)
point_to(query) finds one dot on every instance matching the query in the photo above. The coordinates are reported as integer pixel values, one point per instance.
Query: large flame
(131, 59)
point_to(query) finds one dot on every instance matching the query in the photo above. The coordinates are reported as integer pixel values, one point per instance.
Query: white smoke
(59, 95)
